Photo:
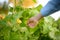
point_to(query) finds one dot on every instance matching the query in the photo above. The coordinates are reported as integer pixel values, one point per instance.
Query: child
(51, 7)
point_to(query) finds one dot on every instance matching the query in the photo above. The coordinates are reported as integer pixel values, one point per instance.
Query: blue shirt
(51, 7)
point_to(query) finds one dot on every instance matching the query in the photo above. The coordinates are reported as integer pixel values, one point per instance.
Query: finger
(31, 25)
(29, 21)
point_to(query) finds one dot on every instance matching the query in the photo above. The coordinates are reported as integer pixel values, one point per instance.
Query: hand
(33, 21)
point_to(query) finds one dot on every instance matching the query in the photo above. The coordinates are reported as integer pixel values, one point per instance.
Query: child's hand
(33, 21)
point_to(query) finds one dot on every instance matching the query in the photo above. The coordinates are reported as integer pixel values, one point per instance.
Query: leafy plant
(14, 25)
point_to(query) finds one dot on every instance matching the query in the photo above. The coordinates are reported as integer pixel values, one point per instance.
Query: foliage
(14, 25)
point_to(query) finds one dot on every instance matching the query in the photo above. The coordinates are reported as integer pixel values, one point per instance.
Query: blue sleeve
(51, 7)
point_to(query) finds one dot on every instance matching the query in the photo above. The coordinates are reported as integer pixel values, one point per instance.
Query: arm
(51, 7)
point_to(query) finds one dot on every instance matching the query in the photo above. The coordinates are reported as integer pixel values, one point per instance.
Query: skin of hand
(33, 21)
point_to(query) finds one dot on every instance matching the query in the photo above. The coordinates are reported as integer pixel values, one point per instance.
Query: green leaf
(34, 1)
(39, 7)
